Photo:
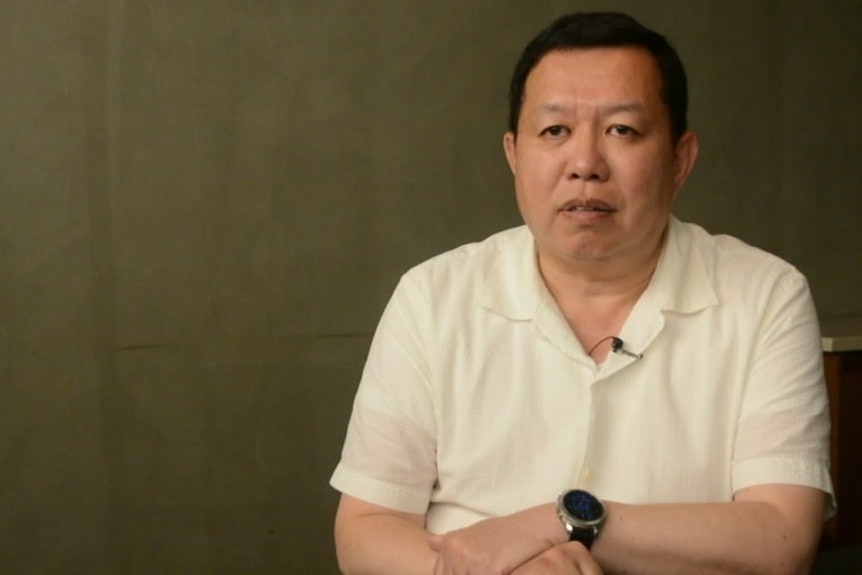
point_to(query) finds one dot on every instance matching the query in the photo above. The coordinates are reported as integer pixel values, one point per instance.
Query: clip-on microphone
(617, 346)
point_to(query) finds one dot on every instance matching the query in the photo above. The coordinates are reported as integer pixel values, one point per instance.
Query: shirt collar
(513, 286)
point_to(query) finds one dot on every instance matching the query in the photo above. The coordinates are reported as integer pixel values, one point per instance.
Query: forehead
(598, 76)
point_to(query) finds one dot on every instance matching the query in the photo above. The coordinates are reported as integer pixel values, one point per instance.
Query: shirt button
(586, 473)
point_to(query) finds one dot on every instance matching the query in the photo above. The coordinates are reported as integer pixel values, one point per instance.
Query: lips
(587, 205)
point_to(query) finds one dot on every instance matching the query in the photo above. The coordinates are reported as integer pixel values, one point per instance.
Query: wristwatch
(582, 514)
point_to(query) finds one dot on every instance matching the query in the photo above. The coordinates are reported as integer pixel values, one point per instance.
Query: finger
(435, 541)
(568, 559)
(586, 563)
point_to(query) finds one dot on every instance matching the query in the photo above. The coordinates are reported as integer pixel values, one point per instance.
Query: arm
(766, 529)
(374, 540)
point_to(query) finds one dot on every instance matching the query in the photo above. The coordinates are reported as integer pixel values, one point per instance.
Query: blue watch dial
(583, 505)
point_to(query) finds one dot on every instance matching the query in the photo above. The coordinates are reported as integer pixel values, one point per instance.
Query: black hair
(605, 29)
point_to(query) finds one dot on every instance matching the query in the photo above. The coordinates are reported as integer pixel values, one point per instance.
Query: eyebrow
(609, 111)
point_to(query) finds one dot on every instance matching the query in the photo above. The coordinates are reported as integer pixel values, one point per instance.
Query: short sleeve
(389, 453)
(783, 432)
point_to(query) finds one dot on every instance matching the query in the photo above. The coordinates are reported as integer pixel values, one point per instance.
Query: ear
(509, 149)
(685, 156)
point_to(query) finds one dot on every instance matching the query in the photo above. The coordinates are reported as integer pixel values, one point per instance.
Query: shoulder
(469, 263)
(496, 273)
(760, 297)
(731, 261)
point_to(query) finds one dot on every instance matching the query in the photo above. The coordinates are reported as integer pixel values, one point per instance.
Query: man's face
(596, 169)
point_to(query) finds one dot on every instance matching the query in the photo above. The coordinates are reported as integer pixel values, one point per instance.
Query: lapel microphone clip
(618, 346)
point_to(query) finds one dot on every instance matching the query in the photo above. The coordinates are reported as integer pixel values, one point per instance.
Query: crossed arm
(766, 529)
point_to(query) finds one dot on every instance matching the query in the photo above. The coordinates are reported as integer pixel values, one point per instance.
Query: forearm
(370, 542)
(739, 537)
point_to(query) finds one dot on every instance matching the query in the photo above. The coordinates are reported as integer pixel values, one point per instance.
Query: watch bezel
(580, 529)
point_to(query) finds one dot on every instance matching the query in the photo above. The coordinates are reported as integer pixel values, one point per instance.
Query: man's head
(599, 146)
(605, 29)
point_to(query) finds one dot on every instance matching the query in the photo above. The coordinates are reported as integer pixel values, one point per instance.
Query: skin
(594, 133)
(596, 172)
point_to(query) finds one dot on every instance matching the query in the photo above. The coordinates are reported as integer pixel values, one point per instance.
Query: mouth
(589, 206)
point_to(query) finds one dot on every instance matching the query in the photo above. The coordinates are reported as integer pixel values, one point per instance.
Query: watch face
(583, 506)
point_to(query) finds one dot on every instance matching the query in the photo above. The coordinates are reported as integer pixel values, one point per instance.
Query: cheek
(538, 172)
(533, 190)
(524, 198)
(647, 182)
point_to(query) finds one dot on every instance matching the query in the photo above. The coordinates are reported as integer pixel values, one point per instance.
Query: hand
(497, 545)
(566, 559)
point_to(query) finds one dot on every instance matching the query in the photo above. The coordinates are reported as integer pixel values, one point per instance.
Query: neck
(600, 279)
(596, 298)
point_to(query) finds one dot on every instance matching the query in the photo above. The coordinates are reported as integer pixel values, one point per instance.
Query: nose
(586, 158)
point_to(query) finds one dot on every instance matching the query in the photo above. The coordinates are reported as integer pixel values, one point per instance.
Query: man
(668, 383)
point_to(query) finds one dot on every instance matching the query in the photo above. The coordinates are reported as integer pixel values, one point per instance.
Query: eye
(623, 130)
(555, 131)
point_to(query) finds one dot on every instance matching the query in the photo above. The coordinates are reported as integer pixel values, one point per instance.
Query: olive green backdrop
(205, 205)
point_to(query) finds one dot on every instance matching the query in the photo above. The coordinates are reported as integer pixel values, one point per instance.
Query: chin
(586, 253)
(586, 248)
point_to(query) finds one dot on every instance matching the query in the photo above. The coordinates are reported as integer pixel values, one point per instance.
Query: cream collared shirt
(477, 400)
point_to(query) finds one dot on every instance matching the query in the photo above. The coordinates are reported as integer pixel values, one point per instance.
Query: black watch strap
(584, 536)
